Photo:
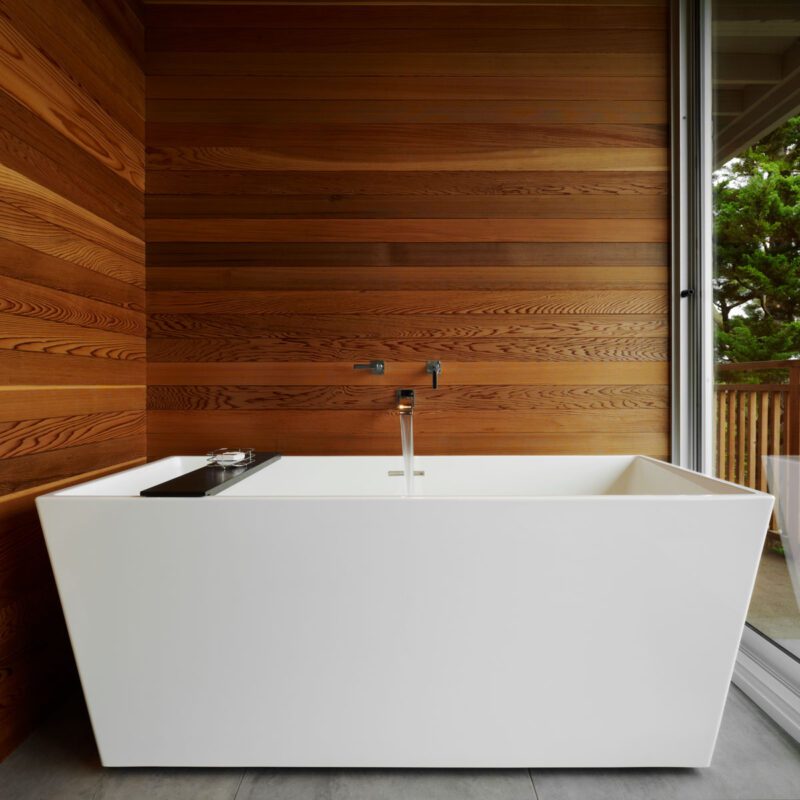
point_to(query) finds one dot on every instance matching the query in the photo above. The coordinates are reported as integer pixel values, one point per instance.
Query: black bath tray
(210, 479)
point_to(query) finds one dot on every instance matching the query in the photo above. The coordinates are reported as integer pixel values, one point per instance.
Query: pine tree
(757, 248)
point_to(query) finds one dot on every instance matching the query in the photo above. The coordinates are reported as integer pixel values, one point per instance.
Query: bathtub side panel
(387, 632)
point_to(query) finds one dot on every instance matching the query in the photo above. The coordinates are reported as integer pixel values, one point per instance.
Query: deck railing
(756, 419)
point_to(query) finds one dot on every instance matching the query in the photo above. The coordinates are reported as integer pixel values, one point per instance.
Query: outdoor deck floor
(754, 760)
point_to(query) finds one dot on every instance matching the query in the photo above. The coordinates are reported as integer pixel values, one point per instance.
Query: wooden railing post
(793, 410)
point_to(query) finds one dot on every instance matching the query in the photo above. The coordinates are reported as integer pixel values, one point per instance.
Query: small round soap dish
(228, 459)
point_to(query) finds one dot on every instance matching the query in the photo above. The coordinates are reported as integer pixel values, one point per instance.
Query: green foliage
(757, 243)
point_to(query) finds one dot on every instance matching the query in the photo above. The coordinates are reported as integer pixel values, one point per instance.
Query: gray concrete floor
(754, 760)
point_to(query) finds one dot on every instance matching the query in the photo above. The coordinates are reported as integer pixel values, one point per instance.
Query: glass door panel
(756, 81)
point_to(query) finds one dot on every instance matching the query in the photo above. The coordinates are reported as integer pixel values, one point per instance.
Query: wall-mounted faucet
(405, 401)
(434, 368)
(376, 367)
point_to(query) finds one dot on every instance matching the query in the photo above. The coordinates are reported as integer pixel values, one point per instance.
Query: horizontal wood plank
(24, 334)
(494, 157)
(515, 349)
(397, 112)
(412, 373)
(77, 39)
(431, 443)
(407, 207)
(41, 234)
(574, 301)
(28, 436)
(406, 88)
(376, 326)
(35, 302)
(46, 369)
(404, 278)
(35, 82)
(269, 64)
(441, 184)
(32, 198)
(427, 422)
(420, 254)
(28, 471)
(26, 402)
(400, 230)
(31, 147)
(379, 399)
(418, 140)
(561, 40)
(34, 267)
(653, 444)
(467, 15)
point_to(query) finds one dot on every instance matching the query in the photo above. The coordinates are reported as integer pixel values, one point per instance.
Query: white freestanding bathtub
(515, 612)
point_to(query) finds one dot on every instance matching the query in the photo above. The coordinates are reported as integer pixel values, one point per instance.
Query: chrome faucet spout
(405, 401)
(405, 407)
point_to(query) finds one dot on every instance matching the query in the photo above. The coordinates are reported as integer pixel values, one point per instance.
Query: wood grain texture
(124, 20)
(454, 277)
(458, 303)
(38, 84)
(32, 266)
(32, 198)
(29, 471)
(162, 113)
(405, 254)
(420, 326)
(574, 206)
(408, 88)
(25, 437)
(84, 47)
(266, 64)
(378, 399)
(31, 147)
(27, 403)
(44, 235)
(345, 185)
(403, 230)
(401, 40)
(21, 368)
(34, 301)
(24, 334)
(409, 373)
(349, 17)
(486, 184)
(320, 155)
(495, 348)
(72, 346)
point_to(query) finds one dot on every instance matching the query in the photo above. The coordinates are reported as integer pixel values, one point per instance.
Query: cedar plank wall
(483, 184)
(72, 324)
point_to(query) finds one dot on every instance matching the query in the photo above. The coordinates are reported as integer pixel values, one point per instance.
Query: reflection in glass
(756, 72)
(776, 604)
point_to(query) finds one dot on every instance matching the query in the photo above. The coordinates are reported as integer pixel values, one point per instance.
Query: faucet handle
(376, 367)
(434, 368)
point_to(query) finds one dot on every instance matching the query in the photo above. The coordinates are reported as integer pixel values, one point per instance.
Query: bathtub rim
(698, 479)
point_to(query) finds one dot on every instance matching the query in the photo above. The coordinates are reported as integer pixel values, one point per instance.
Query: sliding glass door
(755, 79)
